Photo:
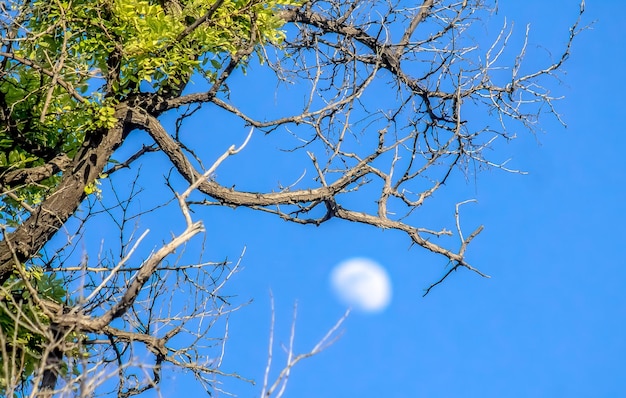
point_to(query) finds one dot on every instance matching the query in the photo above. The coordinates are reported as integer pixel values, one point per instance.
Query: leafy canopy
(64, 70)
(103, 51)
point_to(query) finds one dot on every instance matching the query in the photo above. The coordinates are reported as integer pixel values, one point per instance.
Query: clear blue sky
(551, 322)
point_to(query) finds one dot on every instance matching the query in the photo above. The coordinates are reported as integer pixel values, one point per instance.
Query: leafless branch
(277, 388)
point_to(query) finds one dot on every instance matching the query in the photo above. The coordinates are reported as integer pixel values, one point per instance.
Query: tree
(384, 101)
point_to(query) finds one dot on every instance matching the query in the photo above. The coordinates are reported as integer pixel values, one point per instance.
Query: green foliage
(27, 141)
(151, 38)
(21, 320)
(94, 187)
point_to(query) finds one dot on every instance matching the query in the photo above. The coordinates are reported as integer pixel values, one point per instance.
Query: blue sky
(550, 322)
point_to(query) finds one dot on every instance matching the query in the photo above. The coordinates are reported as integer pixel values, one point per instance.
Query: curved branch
(389, 59)
(232, 197)
(36, 174)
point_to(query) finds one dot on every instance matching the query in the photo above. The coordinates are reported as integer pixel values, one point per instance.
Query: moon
(362, 284)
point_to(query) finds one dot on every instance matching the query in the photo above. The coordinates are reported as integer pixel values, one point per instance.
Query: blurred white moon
(362, 284)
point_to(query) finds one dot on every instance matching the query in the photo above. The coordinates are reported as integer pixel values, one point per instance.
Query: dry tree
(118, 114)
